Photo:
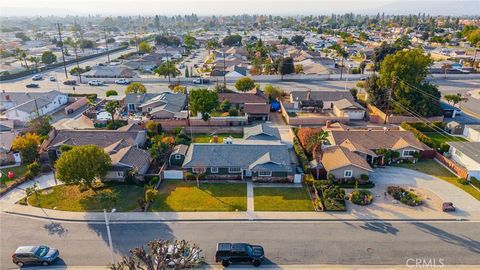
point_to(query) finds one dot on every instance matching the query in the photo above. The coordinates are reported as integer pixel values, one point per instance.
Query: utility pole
(78, 65)
(224, 70)
(36, 107)
(135, 36)
(389, 97)
(63, 53)
(106, 44)
(166, 56)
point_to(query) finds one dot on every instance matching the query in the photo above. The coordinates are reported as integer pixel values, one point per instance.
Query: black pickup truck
(239, 252)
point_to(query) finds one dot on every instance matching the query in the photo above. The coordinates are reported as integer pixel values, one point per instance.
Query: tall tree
(35, 60)
(212, 44)
(83, 164)
(245, 84)
(40, 125)
(136, 87)
(28, 146)
(167, 69)
(203, 101)
(376, 95)
(111, 107)
(48, 57)
(144, 47)
(404, 73)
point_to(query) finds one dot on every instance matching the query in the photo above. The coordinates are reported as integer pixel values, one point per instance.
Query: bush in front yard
(364, 177)
(474, 181)
(34, 168)
(190, 176)
(462, 181)
(361, 197)
(404, 196)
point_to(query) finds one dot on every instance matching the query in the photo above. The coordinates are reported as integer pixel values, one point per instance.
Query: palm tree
(75, 44)
(22, 55)
(34, 60)
(168, 69)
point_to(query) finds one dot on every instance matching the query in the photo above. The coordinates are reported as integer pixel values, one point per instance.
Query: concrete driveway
(446, 191)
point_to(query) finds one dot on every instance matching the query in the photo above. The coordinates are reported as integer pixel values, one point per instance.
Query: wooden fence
(459, 170)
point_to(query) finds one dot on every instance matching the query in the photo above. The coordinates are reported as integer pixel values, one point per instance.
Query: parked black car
(42, 255)
(448, 207)
(228, 253)
(32, 85)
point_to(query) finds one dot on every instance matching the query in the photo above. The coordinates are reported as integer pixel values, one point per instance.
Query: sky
(229, 7)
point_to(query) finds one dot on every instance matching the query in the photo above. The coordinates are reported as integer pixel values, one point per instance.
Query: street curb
(233, 219)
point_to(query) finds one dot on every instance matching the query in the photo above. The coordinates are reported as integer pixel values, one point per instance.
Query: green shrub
(189, 176)
(404, 196)
(418, 134)
(46, 168)
(364, 177)
(462, 181)
(302, 157)
(34, 168)
(308, 180)
(361, 197)
(474, 181)
(28, 175)
(233, 112)
(111, 93)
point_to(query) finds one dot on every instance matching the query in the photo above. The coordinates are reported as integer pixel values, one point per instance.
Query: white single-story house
(26, 106)
(467, 154)
(472, 132)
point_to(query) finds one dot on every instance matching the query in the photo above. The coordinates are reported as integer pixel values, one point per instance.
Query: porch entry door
(248, 173)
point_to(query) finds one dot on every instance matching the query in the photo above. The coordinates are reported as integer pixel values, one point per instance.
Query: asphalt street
(285, 243)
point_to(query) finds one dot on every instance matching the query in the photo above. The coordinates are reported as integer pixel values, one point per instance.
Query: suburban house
(472, 132)
(303, 99)
(348, 108)
(26, 106)
(110, 72)
(147, 62)
(467, 154)
(259, 156)
(366, 142)
(343, 163)
(165, 105)
(124, 148)
(260, 162)
(177, 157)
(254, 104)
(7, 156)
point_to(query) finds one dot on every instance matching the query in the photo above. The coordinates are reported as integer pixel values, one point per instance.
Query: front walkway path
(250, 203)
(16, 194)
(468, 208)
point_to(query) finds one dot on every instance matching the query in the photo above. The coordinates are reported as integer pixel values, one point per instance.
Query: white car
(52, 78)
(123, 81)
(37, 77)
(95, 83)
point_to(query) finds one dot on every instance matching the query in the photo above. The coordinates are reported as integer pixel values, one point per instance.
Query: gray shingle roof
(261, 132)
(101, 138)
(344, 103)
(321, 95)
(26, 101)
(238, 155)
(132, 157)
(469, 149)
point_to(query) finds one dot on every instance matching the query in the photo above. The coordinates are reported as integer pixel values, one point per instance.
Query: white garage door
(173, 174)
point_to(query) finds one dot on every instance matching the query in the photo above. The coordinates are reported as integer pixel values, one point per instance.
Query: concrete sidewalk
(350, 215)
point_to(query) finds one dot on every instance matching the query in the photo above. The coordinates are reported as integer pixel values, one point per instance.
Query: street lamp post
(107, 220)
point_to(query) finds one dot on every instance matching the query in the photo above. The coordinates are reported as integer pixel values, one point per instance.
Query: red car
(448, 207)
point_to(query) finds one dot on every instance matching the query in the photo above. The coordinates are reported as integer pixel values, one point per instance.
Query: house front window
(178, 156)
(348, 173)
(198, 170)
(120, 174)
(149, 109)
(214, 170)
(408, 153)
(131, 107)
(234, 170)
(264, 173)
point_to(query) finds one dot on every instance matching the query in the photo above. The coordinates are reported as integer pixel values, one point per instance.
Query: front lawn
(206, 138)
(71, 198)
(18, 172)
(431, 167)
(282, 199)
(181, 196)
(438, 139)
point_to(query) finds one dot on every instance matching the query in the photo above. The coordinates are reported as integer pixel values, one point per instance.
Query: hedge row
(474, 181)
(418, 134)
(302, 157)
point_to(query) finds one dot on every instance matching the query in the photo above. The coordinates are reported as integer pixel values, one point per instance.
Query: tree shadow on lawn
(466, 242)
(121, 197)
